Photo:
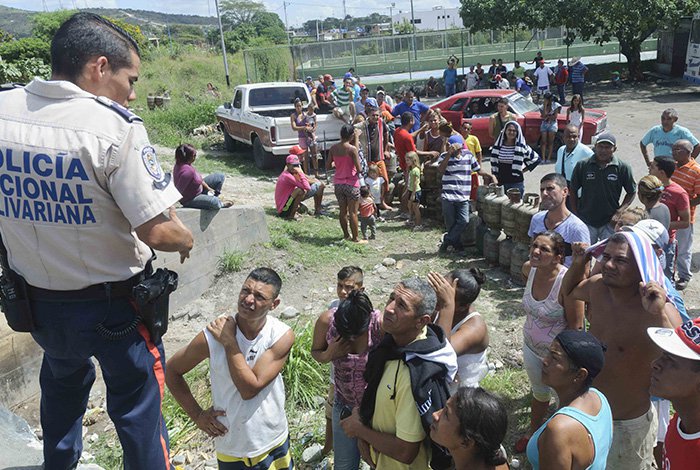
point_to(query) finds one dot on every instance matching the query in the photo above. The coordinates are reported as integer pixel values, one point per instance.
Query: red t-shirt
(681, 450)
(688, 177)
(676, 199)
(403, 142)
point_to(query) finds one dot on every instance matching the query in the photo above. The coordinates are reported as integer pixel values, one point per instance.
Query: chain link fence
(408, 53)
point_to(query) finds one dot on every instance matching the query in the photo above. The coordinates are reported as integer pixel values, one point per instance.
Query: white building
(438, 19)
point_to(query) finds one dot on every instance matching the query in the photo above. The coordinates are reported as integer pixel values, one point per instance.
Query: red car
(478, 105)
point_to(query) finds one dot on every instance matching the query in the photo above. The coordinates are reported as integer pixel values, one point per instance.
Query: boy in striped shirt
(456, 167)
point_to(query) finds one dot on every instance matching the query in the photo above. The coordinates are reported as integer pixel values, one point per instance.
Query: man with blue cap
(456, 167)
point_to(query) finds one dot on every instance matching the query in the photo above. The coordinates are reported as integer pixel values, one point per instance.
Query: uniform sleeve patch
(150, 161)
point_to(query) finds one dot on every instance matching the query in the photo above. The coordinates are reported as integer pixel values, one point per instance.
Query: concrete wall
(233, 229)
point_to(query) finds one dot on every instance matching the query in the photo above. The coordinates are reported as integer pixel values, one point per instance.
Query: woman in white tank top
(464, 327)
(576, 113)
(547, 316)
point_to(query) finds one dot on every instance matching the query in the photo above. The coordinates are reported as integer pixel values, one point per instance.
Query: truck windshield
(280, 96)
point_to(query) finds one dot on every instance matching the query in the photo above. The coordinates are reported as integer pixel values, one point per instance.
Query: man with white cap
(293, 187)
(676, 376)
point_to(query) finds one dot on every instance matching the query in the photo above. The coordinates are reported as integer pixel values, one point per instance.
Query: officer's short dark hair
(666, 164)
(84, 36)
(267, 276)
(407, 117)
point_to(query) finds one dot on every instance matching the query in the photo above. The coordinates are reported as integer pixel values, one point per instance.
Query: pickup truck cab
(258, 115)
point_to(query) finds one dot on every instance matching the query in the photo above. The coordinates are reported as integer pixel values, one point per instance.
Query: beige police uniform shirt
(76, 178)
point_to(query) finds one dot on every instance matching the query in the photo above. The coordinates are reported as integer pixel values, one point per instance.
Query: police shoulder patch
(119, 109)
(150, 161)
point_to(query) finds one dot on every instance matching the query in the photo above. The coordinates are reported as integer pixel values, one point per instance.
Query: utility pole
(317, 35)
(413, 23)
(286, 23)
(391, 16)
(223, 44)
(345, 18)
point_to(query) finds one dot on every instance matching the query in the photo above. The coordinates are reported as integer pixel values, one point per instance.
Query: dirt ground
(309, 288)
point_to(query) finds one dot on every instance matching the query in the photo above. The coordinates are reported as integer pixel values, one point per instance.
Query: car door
(478, 111)
(233, 125)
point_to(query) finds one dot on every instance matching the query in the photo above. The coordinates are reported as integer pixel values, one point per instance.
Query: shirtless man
(620, 309)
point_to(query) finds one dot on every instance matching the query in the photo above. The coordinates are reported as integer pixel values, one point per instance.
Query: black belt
(95, 292)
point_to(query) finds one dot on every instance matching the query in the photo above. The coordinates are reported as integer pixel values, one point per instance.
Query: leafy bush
(173, 126)
(23, 71)
(26, 48)
(231, 262)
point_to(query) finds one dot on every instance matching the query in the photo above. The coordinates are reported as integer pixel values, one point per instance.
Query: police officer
(82, 202)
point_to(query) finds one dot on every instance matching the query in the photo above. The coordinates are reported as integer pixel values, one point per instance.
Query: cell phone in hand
(345, 412)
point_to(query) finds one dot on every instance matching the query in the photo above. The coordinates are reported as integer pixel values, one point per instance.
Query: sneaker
(443, 247)
(681, 284)
(303, 209)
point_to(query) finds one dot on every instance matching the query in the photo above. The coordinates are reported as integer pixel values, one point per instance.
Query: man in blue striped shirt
(577, 75)
(456, 167)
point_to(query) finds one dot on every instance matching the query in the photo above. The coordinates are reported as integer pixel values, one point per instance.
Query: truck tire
(230, 143)
(263, 160)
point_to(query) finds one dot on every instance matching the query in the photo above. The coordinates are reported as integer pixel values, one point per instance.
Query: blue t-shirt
(566, 161)
(577, 72)
(416, 109)
(522, 87)
(450, 76)
(664, 140)
(599, 427)
(357, 92)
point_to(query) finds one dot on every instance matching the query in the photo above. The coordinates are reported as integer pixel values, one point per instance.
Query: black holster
(14, 301)
(152, 297)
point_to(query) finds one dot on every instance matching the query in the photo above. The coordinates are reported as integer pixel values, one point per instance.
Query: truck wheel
(229, 142)
(263, 160)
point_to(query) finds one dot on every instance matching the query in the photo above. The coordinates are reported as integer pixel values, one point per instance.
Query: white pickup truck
(258, 116)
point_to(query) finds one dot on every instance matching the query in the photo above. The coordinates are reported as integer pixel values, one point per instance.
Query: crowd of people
(405, 383)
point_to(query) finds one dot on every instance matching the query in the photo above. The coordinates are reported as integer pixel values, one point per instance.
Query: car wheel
(263, 160)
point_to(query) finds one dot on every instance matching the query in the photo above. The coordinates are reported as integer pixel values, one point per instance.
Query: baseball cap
(328, 78)
(606, 137)
(584, 350)
(652, 229)
(309, 78)
(296, 150)
(372, 103)
(381, 92)
(498, 76)
(455, 139)
(347, 75)
(292, 160)
(684, 341)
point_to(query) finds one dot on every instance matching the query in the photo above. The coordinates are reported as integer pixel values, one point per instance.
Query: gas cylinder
(505, 249)
(508, 211)
(491, 241)
(492, 209)
(523, 216)
(518, 256)
(481, 230)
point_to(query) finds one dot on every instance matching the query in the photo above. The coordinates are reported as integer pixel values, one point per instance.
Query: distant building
(438, 18)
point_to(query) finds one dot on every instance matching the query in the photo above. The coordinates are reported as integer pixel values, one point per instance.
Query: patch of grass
(304, 379)
(231, 262)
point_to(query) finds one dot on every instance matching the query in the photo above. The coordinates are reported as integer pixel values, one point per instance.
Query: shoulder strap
(119, 109)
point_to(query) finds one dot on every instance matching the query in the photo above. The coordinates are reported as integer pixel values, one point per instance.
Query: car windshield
(279, 96)
(520, 104)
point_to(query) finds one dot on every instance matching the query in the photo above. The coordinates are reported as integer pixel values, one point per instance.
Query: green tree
(5, 36)
(46, 24)
(237, 12)
(26, 48)
(628, 21)
(404, 27)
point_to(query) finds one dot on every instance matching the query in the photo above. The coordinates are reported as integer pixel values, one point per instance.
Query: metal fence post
(410, 73)
(354, 57)
(461, 42)
(245, 62)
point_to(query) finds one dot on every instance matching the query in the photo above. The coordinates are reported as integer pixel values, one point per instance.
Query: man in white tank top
(246, 353)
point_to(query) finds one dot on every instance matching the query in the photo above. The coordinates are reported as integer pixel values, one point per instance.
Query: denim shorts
(548, 126)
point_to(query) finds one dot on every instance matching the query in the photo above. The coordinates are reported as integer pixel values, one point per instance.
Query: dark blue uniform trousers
(133, 369)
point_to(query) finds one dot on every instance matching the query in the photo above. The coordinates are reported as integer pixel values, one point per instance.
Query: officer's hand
(207, 422)
(184, 252)
(223, 329)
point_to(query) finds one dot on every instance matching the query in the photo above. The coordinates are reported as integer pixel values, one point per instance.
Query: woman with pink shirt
(345, 157)
(197, 192)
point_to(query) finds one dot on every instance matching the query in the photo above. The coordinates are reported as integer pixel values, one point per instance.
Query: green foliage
(352, 23)
(46, 24)
(304, 378)
(5, 36)
(269, 63)
(23, 70)
(404, 27)
(26, 48)
(172, 126)
(133, 30)
(231, 262)
(237, 12)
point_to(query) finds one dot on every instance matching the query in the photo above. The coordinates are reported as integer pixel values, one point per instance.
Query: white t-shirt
(256, 425)
(472, 80)
(543, 74)
(572, 230)
(375, 188)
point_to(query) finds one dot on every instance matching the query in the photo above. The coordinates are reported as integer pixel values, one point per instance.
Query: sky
(298, 11)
